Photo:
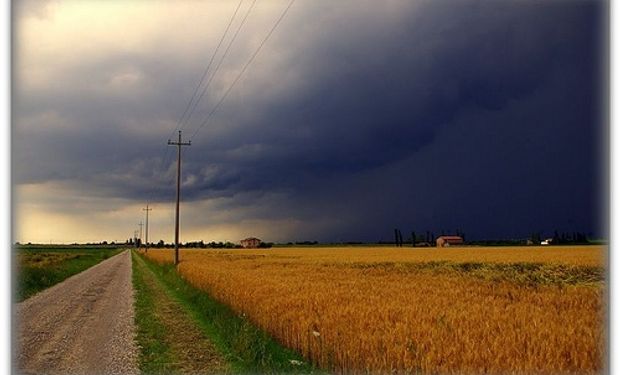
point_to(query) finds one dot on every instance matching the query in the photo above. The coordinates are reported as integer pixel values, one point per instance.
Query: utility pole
(140, 224)
(147, 209)
(176, 224)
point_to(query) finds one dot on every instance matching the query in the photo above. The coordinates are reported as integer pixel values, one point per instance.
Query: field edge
(246, 348)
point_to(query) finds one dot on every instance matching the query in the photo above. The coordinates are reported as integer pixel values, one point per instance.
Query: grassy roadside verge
(245, 348)
(155, 354)
(42, 268)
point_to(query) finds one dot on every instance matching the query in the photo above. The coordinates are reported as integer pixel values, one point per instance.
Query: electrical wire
(230, 43)
(193, 103)
(202, 78)
(204, 74)
(253, 56)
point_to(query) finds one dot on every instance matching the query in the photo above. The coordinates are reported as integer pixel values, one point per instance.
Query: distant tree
(400, 239)
(581, 237)
(413, 238)
(306, 242)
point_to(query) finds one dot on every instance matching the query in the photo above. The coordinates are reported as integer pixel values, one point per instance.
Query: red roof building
(444, 241)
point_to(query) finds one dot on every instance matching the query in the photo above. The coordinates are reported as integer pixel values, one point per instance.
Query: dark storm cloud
(381, 96)
(480, 116)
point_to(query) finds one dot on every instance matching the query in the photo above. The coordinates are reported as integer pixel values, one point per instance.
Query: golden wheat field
(385, 310)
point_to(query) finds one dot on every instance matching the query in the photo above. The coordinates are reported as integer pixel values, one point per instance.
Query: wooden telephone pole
(176, 224)
(140, 224)
(147, 209)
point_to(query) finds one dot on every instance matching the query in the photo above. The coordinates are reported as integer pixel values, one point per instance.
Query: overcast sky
(355, 118)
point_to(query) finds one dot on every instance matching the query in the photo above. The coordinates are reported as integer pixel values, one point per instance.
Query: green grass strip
(34, 274)
(246, 348)
(155, 355)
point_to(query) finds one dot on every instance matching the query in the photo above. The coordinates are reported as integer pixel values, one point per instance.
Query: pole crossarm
(179, 143)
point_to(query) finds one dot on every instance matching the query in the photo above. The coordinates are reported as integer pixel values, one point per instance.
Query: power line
(195, 102)
(217, 67)
(183, 115)
(210, 115)
(204, 74)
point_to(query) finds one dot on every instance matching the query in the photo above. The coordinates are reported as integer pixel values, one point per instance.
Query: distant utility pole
(140, 224)
(147, 209)
(176, 224)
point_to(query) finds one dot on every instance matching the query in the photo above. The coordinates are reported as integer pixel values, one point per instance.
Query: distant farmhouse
(251, 243)
(444, 241)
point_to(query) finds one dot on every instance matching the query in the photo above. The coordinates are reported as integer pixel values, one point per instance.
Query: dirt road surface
(83, 325)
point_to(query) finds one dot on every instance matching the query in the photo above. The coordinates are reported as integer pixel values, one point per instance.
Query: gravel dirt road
(84, 325)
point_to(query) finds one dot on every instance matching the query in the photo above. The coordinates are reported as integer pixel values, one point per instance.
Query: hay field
(460, 310)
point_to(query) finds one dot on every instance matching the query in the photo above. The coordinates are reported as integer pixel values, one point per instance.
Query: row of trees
(199, 245)
(428, 238)
(564, 238)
